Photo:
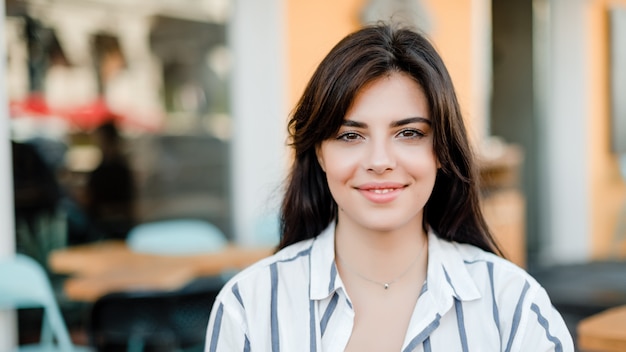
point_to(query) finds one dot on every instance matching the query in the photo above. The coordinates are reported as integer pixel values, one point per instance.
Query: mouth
(381, 193)
(381, 188)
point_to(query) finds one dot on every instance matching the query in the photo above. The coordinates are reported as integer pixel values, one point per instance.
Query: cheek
(339, 170)
(338, 164)
(423, 164)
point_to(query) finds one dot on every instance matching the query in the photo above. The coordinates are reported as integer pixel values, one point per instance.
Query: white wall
(258, 111)
(565, 126)
(482, 74)
(8, 332)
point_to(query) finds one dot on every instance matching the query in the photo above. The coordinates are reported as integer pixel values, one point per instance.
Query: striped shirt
(471, 301)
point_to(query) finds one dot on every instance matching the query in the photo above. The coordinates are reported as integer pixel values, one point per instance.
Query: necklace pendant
(386, 286)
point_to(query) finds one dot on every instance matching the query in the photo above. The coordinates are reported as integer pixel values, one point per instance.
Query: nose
(380, 157)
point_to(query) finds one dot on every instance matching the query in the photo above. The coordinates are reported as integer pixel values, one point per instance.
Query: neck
(379, 255)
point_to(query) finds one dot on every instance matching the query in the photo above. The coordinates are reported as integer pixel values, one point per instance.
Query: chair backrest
(267, 230)
(176, 237)
(619, 237)
(25, 284)
(165, 321)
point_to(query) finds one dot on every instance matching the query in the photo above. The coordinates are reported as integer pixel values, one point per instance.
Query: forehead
(393, 96)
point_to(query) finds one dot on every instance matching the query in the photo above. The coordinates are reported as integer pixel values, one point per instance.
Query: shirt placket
(424, 321)
(338, 334)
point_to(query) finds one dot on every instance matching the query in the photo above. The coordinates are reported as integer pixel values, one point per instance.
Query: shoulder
(509, 286)
(493, 273)
(251, 293)
(473, 256)
(522, 312)
(258, 278)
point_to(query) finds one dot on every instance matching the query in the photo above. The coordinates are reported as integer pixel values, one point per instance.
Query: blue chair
(267, 230)
(176, 237)
(24, 284)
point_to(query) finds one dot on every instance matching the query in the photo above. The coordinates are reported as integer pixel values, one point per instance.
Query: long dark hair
(453, 209)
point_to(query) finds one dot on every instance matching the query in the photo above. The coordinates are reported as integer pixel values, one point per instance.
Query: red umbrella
(88, 116)
(85, 117)
(33, 105)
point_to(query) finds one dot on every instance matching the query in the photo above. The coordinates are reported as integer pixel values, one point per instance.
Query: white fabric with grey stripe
(471, 301)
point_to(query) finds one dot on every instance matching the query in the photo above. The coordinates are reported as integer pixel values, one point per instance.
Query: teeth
(382, 191)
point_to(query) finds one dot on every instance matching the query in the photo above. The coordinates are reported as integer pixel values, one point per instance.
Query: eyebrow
(356, 124)
(410, 120)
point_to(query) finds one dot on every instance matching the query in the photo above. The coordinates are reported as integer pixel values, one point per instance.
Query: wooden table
(104, 267)
(603, 332)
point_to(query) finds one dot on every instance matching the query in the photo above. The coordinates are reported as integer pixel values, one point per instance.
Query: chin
(385, 223)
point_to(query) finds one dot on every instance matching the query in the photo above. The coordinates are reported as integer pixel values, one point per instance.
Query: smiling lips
(381, 193)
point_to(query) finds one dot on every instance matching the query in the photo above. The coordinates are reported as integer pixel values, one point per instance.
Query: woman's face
(381, 166)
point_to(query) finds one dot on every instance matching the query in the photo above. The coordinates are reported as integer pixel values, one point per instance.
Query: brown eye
(349, 136)
(411, 133)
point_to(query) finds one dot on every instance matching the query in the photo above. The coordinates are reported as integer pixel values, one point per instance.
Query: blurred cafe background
(146, 148)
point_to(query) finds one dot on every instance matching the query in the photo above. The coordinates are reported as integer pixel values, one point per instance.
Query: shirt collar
(447, 273)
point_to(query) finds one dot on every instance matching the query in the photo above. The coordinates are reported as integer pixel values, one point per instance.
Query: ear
(320, 156)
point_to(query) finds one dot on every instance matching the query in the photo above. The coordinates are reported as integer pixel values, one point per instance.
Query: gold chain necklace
(385, 285)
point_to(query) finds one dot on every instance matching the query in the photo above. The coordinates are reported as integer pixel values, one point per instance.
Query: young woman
(384, 247)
